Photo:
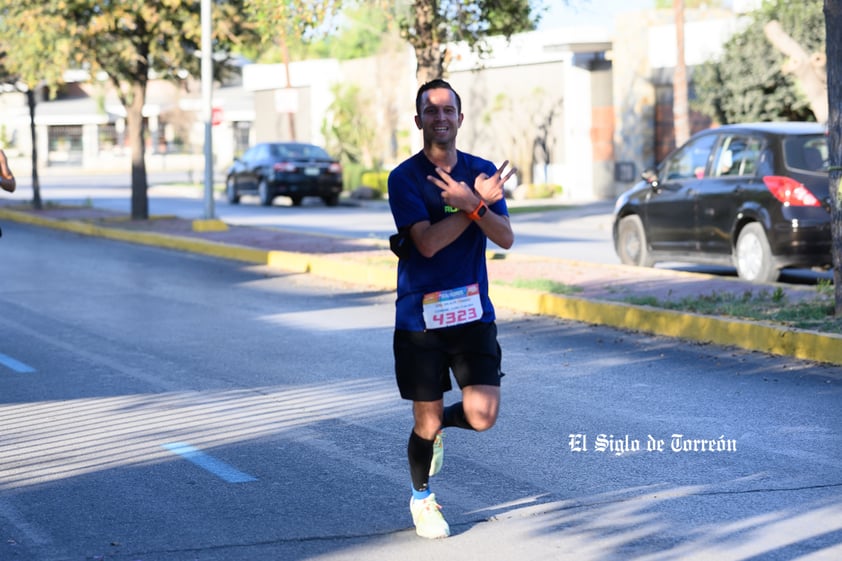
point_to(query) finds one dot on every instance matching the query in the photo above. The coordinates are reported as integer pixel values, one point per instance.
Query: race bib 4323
(447, 308)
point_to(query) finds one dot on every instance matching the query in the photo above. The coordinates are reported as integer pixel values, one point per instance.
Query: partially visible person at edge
(450, 203)
(7, 179)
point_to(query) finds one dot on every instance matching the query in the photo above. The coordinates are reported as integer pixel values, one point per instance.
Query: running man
(448, 203)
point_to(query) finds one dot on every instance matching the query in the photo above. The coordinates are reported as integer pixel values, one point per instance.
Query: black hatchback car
(752, 196)
(292, 169)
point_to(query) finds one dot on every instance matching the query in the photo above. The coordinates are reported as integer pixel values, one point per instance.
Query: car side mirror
(650, 176)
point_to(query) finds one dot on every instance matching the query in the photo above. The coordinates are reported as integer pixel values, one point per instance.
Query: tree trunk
(680, 111)
(137, 141)
(809, 70)
(428, 54)
(833, 46)
(36, 184)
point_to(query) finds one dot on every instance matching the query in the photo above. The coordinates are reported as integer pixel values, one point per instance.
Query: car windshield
(298, 152)
(807, 153)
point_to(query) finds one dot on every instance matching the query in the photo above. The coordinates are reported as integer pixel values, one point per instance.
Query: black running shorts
(424, 359)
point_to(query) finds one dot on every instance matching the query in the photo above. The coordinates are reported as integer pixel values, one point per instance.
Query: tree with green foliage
(808, 69)
(428, 25)
(349, 132)
(359, 33)
(282, 22)
(34, 53)
(431, 24)
(749, 82)
(127, 42)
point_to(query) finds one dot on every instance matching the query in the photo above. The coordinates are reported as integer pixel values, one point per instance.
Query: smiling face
(439, 118)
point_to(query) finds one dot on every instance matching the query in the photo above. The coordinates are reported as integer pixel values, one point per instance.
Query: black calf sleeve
(454, 416)
(420, 453)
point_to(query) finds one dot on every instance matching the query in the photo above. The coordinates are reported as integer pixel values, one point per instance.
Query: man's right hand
(455, 193)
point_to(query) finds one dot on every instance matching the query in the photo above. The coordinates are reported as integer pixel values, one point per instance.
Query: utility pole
(290, 91)
(207, 104)
(680, 111)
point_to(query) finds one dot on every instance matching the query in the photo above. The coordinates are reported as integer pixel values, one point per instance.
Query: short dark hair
(436, 84)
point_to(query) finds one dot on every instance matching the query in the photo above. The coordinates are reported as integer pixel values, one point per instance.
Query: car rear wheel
(753, 255)
(632, 247)
(265, 193)
(331, 200)
(296, 200)
(231, 191)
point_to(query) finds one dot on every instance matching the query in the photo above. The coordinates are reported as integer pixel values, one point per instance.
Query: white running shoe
(427, 517)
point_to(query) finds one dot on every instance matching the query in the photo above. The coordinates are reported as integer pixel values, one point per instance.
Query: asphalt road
(582, 234)
(580, 231)
(158, 406)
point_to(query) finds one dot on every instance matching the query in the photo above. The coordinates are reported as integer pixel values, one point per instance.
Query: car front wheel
(753, 256)
(632, 247)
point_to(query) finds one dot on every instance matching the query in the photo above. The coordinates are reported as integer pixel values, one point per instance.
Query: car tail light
(284, 167)
(789, 191)
(335, 167)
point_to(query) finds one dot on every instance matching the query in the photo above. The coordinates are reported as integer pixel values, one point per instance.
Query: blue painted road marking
(15, 365)
(219, 468)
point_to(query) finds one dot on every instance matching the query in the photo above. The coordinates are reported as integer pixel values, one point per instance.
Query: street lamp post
(680, 107)
(207, 104)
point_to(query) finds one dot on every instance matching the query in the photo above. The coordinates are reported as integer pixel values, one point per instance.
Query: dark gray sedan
(292, 169)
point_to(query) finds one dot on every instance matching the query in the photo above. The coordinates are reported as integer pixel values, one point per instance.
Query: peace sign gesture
(455, 193)
(490, 188)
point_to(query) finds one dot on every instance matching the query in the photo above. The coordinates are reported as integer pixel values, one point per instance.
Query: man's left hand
(491, 188)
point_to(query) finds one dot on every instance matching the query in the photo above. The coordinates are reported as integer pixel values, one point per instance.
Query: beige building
(542, 101)
(584, 108)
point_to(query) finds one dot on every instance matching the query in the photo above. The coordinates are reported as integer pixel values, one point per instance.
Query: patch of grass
(644, 301)
(537, 208)
(825, 288)
(543, 285)
(814, 313)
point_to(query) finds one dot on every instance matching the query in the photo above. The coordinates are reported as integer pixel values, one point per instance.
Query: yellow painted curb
(209, 225)
(334, 268)
(807, 345)
(202, 247)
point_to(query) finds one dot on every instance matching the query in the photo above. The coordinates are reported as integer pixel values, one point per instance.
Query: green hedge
(539, 191)
(351, 174)
(377, 180)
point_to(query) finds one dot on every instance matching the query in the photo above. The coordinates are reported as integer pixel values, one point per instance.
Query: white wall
(317, 75)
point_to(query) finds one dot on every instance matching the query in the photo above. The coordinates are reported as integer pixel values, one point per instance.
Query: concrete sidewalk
(598, 292)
